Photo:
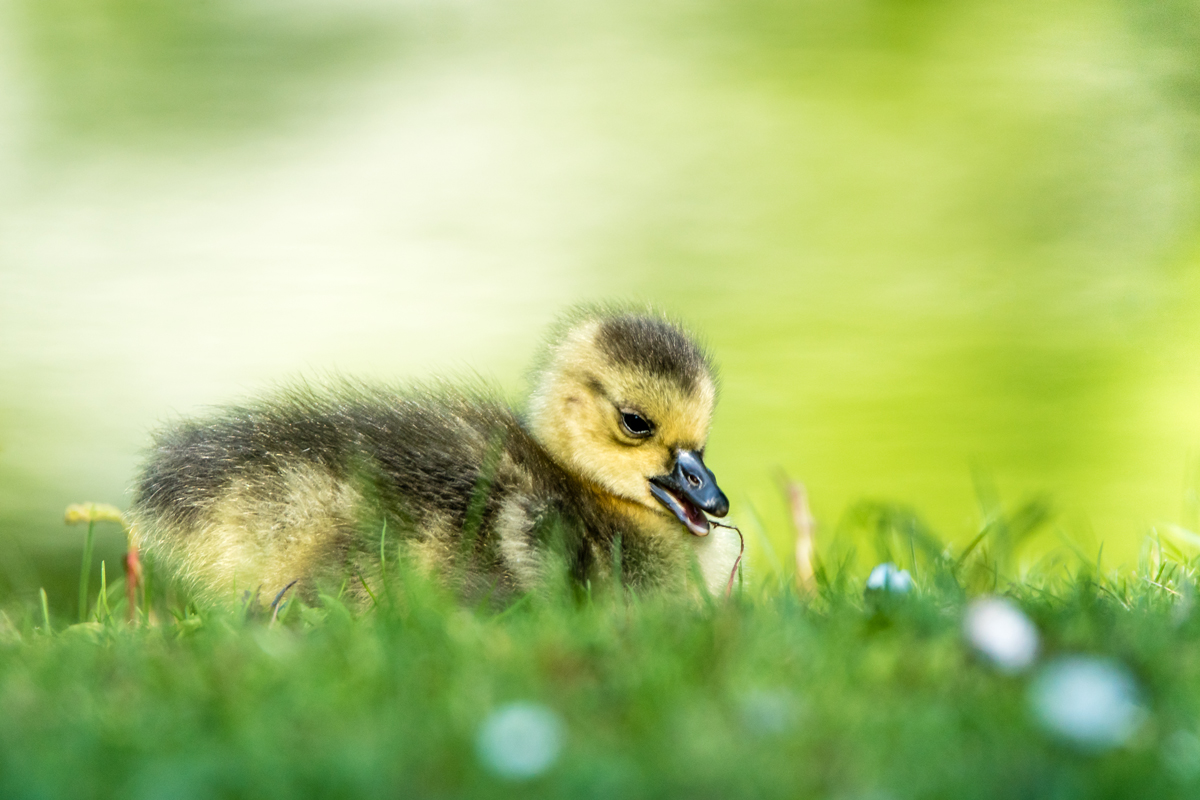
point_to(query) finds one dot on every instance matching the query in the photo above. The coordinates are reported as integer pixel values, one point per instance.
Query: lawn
(1070, 683)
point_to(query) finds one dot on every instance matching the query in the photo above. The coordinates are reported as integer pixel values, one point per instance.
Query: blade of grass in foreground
(45, 609)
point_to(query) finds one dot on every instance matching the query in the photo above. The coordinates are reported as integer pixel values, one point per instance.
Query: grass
(776, 693)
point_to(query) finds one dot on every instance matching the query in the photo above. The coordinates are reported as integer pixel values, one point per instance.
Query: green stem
(85, 571)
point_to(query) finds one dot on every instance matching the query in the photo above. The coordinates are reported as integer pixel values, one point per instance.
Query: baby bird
(604, 471)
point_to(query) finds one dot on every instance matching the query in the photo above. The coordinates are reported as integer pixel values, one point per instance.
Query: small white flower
(888, 577)
(1091, 702)
(999, 630)
(520, 740)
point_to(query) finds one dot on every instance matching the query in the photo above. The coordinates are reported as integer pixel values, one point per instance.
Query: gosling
(601, 477)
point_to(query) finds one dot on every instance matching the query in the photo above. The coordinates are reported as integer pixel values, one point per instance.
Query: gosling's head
(624, 401)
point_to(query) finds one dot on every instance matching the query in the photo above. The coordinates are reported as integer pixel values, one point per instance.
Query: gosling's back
(299, 488)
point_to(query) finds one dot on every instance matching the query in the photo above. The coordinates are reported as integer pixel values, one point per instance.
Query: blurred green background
(931, 243)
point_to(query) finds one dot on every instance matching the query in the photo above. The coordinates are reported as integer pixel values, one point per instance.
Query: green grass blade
(366, 586)
(45, 610)
(102, 611)
(383, 553)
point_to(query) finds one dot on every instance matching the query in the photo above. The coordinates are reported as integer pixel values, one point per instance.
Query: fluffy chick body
(304, 487)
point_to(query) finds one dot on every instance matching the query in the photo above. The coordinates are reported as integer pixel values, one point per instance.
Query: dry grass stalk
(805, 527)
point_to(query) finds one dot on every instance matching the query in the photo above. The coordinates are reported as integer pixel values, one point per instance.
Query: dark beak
(689, 491)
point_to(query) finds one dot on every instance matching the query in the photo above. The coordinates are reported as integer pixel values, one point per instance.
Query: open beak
(689, 491)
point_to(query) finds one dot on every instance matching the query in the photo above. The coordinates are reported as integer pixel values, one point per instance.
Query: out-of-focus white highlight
(1000, 631)
(520, 740)
(1092, 703)
(890, 578)
(769, 712)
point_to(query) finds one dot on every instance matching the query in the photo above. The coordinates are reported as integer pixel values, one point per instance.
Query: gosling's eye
(636, 425)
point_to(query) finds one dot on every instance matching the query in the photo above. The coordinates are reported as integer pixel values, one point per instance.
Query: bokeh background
(936, 246)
